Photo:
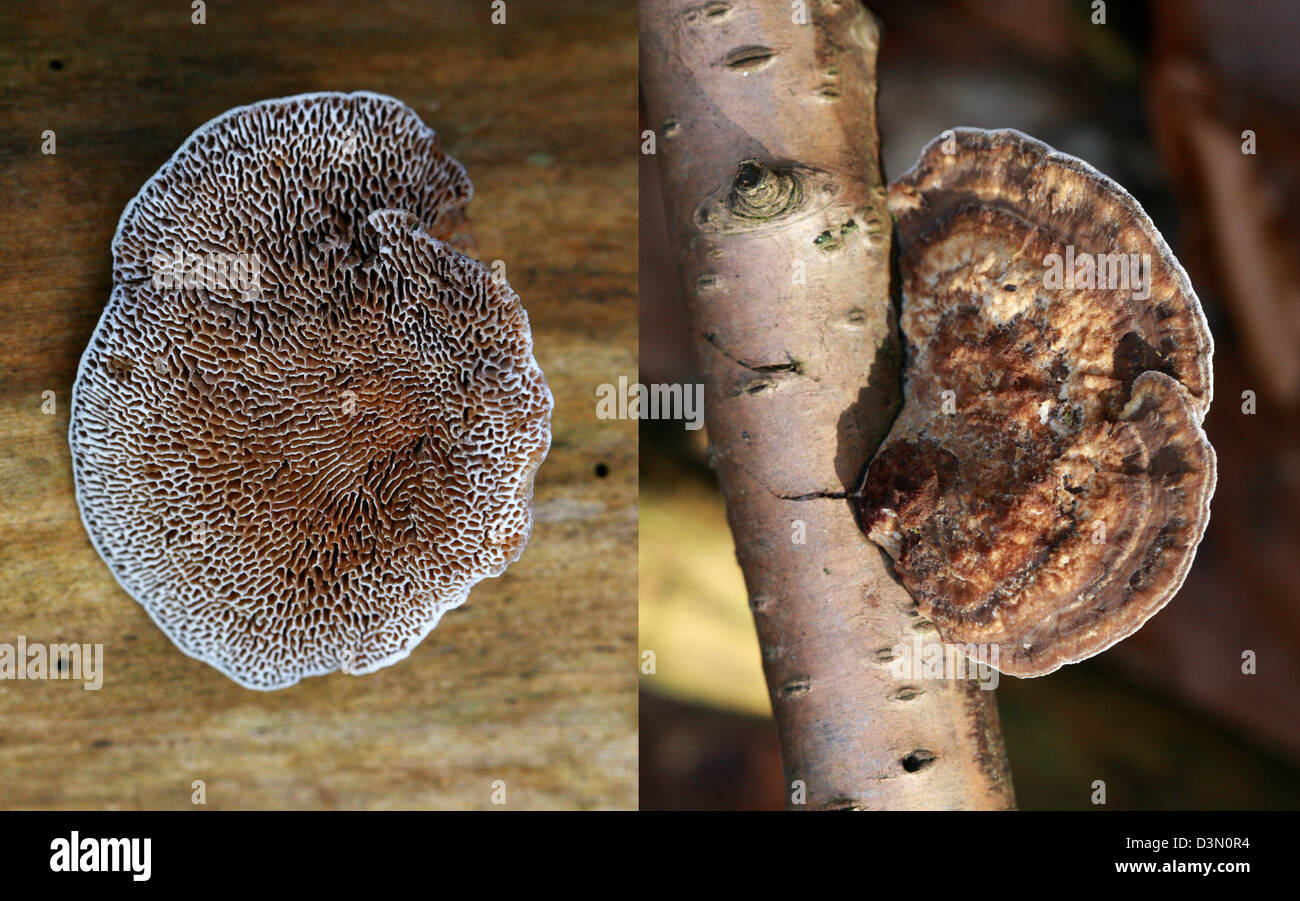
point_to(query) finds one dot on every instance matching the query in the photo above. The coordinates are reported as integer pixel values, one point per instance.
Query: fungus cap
(1047, 480)
(302, 467)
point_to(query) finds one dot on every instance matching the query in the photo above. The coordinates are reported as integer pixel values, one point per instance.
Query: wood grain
(533, 682)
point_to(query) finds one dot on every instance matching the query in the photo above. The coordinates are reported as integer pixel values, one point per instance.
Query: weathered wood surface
(533, 682)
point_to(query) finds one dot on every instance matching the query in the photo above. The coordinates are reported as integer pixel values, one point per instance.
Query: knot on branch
(759, 193)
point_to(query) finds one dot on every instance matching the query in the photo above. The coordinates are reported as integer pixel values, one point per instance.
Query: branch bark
(768, 150)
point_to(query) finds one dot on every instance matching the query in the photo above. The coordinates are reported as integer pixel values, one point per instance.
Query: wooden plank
(533, 681)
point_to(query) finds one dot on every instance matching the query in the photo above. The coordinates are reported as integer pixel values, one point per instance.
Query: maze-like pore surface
(302, 472)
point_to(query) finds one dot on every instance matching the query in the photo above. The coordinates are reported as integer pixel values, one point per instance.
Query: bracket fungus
(305, 425)
(1047, 480)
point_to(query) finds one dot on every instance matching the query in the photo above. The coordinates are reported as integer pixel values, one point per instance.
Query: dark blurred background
(1158, 98)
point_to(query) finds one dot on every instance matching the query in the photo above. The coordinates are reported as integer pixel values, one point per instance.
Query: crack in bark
(716, 454)
(818, 495)
(791, 365)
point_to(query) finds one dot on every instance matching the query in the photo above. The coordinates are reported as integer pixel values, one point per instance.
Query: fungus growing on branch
(1047, 480)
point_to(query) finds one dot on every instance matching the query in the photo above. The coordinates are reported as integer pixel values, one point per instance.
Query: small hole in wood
(918, 760)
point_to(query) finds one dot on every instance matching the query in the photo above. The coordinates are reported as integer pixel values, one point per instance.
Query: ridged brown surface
(1047, 480)
(303, 474)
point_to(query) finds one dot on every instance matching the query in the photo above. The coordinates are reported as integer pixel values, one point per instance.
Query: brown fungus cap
(1047, 480)
(303, 470)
